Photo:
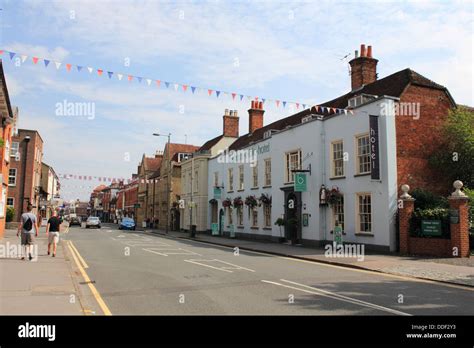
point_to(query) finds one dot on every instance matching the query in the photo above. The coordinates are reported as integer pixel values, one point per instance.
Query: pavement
(43, 286)
(449, 270)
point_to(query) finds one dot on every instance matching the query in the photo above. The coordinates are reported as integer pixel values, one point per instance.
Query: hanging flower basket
(333, 196)
(213, 201)
(227, 203)
(265, 199)
(251, 201)
(238, 202)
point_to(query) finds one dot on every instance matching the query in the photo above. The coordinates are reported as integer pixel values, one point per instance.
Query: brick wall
(430, 246)
(417, 139)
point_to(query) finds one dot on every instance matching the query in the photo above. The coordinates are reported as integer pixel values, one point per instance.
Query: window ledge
(267, 186)
(254, 188)
(364, 234)
(337, 177)
(240, 226)
(232, 191)
(254, 228)
(240, 190)
(267, 228)
(361, 174)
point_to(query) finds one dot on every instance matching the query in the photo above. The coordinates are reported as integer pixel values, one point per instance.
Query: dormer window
(183, 156)
(306, 119)
(360, 99)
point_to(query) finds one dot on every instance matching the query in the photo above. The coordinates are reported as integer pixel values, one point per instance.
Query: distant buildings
(49, 191)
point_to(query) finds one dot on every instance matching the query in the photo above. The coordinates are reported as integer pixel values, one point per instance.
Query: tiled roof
(210, 143)
(183, 148)
(152, 163)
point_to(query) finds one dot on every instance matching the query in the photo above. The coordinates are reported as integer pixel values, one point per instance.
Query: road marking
(93, 289)
(316, 263)
(83, 263)
(168, 251)
(137, 243)
(224, 269)
(335, 296)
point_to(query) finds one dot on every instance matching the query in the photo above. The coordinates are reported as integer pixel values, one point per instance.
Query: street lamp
(26, 139)
(168, 211)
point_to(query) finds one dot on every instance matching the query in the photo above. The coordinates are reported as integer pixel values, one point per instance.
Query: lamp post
(22, 208)
(168, 211)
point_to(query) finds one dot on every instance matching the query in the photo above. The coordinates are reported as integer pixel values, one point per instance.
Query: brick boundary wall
(435, 246)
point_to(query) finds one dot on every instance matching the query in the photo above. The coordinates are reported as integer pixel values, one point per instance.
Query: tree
(10, 214)
(455, 159)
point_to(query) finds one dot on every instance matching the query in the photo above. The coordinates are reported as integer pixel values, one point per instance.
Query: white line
(168, 251)
(335, 296)
(235, 266)
(202, 264)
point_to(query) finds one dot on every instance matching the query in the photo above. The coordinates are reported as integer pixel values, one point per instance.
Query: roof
(392, 85)
(181, 148)
(5, 91)
(100, 188)
(210, 143)
(153, 163)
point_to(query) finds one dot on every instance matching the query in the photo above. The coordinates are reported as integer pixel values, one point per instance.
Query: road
(143, 274)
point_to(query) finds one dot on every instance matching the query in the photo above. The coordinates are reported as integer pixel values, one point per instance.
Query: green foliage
(2, 143)
(427, 200)
(10, 214)
(280, 222)
(455, 158)
(470, 194)
(441, 214)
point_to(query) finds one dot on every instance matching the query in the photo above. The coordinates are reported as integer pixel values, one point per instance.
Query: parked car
(127, 224)
(75, 220)
(93, 221)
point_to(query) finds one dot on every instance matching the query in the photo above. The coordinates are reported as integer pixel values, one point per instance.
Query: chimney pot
(226, 112)
(231, 112)
(260, 105)
(356, 54)
(369, 51)
(362, 50)
(235, 113)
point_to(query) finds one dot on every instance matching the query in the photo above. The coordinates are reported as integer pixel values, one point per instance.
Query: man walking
(52, 232)
(27, 228)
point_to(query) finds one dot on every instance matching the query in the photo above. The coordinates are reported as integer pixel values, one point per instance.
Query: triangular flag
(176, 86)
(148, 81)
(130, 77)
(110, 73)
(304, 106)
(1, 51)
(241, 97)
(12, 54)
(284, 103)
(90, 69)
(233, 96)
(217, 94)
(58, 64)
(100, 71)
(317, 108)
(68, 67)
(263, 101)
(139, 79)
(193, 89)
(79, 68)
(158, 83)
(46, 63)
(23, 58)
(185, 87)
(119, 76)
(278, 103)
(209, 91)
(35, 60)
(167, 84)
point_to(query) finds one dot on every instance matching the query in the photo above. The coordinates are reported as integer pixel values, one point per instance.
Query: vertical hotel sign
(374, 147)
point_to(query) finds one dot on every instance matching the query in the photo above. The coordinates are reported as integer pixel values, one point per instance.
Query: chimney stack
(363, 68)
(231, 124)
(255, 116)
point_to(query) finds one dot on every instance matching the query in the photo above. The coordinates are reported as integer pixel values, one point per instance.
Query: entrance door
(293, 215)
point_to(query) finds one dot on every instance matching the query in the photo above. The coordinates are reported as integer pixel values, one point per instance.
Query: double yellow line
(81, 264)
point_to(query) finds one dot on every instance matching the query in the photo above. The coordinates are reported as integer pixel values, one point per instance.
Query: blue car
(127, 224)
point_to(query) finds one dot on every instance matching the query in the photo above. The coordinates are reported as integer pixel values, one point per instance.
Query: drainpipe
(323, 176)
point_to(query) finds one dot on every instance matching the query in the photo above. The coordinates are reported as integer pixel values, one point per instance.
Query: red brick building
(127, 199)
(24, 179)
(419, 131)
(8, 119)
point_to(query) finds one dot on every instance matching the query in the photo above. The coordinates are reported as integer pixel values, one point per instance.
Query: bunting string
(22, 58)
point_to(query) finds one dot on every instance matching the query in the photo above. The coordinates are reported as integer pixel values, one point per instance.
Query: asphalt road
(138, 273)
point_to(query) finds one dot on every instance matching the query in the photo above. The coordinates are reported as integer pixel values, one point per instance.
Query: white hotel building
(335, 151)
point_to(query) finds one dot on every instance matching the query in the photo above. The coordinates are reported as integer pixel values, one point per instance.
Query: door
(221, 222)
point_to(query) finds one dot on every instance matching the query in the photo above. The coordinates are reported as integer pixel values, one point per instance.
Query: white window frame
(358, 155)
(289, 175)
(336, 170)
(338, 213)
(268, 172)
(241, 177)
(14, 176)
(230, 179)
(12, 148)
(255, 175)
(359, 213)
(240, 215)
(13, 200)
(267, 215)
(254, 216)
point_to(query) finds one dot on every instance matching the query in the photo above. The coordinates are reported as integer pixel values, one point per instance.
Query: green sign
(215, 228)
(300, 182)
(338, 234)
(431, 227)
(305, 220)
(217, 193)
(136, 205)
(232, 231)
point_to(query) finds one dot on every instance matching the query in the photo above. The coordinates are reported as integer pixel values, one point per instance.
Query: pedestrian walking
(28, 229)
(52, 232)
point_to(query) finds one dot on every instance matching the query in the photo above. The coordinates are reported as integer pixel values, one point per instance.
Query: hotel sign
(217, 193)
(374, 147)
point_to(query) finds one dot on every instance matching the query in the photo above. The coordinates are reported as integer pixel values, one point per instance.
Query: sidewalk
(452, 270)
(41, 287)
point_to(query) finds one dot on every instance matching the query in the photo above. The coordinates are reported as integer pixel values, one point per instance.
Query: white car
(93, 221)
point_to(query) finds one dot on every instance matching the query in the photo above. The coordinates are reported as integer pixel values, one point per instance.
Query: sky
(292, 51)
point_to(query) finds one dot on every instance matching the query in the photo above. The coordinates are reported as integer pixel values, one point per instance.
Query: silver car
(93, 221)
